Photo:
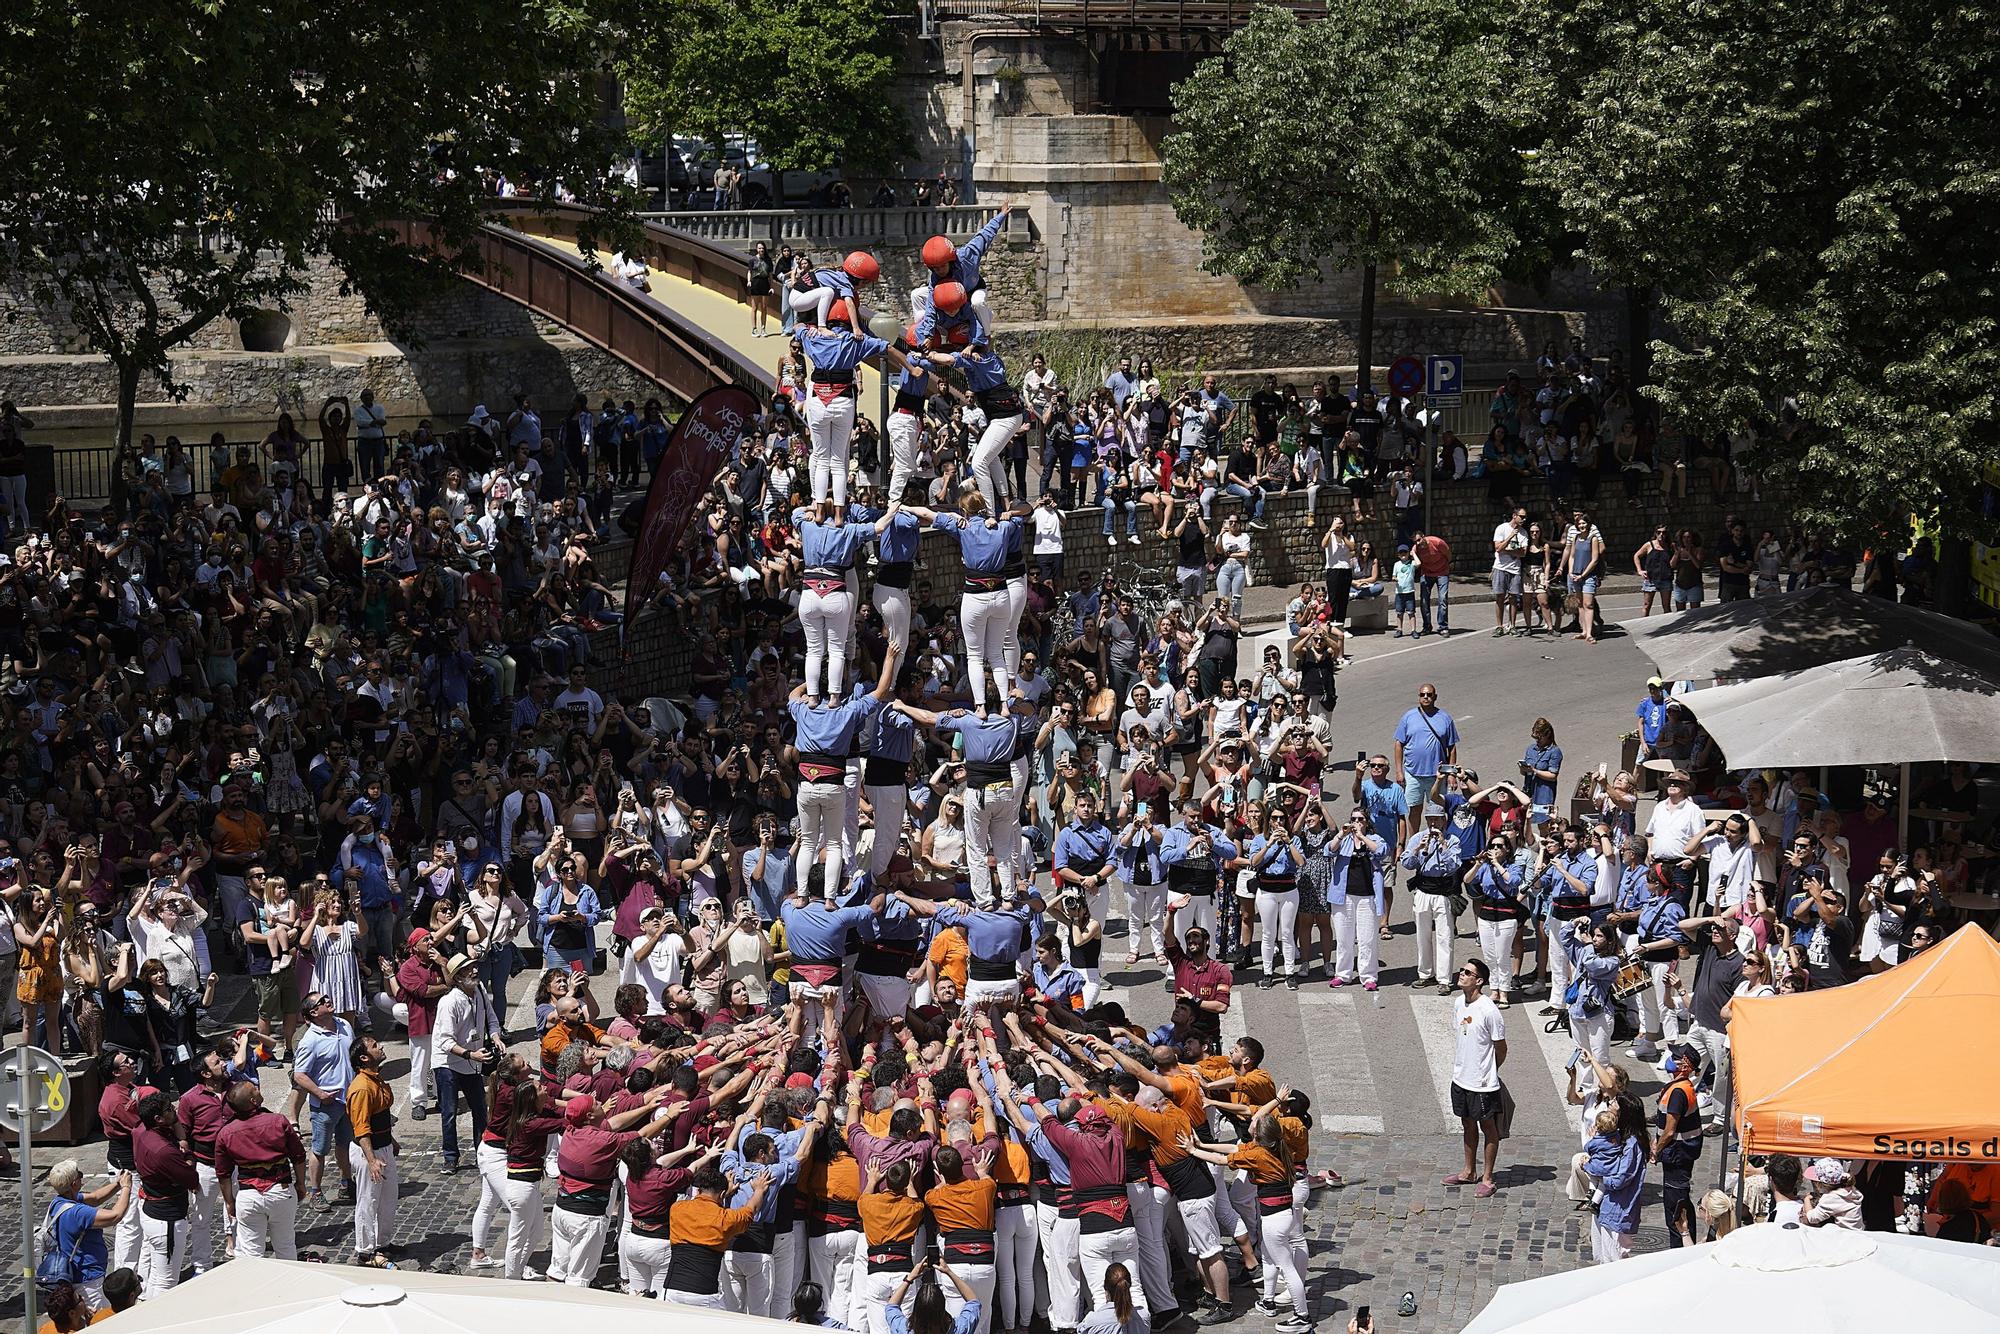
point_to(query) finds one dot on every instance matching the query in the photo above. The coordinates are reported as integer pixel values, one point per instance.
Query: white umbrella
(1905, 706)
(1789, 632)
(290, 1297)
(1765, 1278)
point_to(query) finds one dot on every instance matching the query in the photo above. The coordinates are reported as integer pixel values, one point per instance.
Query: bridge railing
(635, 328)
(1135, 14)
(828, 227)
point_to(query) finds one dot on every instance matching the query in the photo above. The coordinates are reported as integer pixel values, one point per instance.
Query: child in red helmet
(814, 295)
(957, 264)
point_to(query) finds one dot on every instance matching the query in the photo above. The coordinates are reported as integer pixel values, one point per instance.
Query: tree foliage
(172, 162)
(1384, 136)
(810, 80)
(1811, 187)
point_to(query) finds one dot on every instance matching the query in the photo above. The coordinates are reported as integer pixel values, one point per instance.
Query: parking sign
(1447, 381)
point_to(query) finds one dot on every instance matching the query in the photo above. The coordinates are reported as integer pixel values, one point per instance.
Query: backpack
(56, 1266)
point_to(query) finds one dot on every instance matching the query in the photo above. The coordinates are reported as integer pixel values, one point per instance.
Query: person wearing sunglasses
(321, 1071)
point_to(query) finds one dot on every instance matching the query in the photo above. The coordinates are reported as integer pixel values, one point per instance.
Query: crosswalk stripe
(1342, 1075)
(1440, 1039)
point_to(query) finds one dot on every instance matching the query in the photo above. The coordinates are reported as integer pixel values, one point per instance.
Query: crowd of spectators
(354, 743)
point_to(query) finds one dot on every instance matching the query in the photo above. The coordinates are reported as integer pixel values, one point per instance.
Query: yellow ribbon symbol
(52, 1093)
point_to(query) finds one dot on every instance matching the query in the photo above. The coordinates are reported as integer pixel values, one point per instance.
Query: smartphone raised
(1364, 1320)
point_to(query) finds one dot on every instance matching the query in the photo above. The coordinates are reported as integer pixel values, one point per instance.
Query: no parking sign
(1406, 376)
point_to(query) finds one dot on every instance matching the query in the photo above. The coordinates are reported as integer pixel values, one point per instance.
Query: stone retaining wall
(442, 380)
(321, 314)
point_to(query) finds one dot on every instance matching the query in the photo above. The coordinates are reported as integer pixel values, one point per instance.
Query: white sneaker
(530, 1274)
(1644, 1050)
(1135, 539)
(1110, 540)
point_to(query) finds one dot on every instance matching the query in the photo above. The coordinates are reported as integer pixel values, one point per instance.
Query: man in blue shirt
(748, 1265)
(1653, 929)
(992, 807)
(836, 353)
(1082, 855)
(993, 937)
(1426, 741)
(322, 1068)
(1434, 859)
(1652, 713)
(1386, 801)
(1194, 854)
(1121, 382)
(816, 935)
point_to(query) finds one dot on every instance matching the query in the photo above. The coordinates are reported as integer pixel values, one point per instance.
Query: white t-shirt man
(1480, 1029)
(1508, 544)
(1730, 869)
(1048, 531)
(586, 703)
(660, 969)
(1672, 827)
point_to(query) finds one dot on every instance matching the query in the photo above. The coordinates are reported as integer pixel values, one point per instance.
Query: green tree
(174, 162)
(1811, 187)
(1382, 137)
(811, 81)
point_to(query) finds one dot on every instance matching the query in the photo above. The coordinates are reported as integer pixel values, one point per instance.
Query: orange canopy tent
(1902, 1065)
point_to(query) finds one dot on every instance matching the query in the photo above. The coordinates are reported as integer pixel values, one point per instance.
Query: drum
(1633, 977)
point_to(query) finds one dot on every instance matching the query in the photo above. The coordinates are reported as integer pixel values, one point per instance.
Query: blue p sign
(1447, 375)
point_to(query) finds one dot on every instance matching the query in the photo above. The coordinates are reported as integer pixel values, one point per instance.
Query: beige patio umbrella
(1789, 632)
(1907, 706)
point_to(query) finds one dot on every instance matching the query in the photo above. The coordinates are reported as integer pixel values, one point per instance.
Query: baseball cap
(577, 1110)
(1656, 681)
(1433, 811)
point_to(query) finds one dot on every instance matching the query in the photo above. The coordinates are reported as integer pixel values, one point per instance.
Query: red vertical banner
(702, 442)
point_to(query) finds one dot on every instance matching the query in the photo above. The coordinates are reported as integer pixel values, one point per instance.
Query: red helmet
(910, 337)
(838, 313)
(861, 266)
(948, 297)
(939, 252)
